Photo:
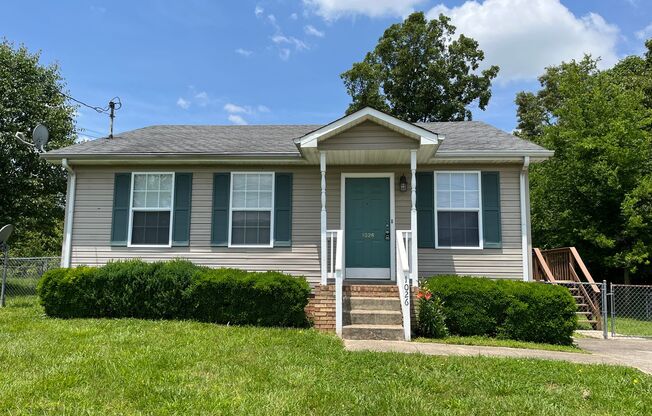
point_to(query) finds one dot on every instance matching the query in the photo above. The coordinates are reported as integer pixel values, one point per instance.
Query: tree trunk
(626, 278)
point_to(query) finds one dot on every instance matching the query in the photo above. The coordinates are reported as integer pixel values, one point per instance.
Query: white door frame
(392, 222)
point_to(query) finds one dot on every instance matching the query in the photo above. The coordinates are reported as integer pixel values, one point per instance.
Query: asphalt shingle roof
(273, 139)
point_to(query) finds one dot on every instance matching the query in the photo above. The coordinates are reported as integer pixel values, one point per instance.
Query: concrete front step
(372, 303)
(369, 317)
(382, 332)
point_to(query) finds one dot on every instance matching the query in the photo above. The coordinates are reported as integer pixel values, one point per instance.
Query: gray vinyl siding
(368, 136)
(93, 207)
(506, 262)
(92, 225)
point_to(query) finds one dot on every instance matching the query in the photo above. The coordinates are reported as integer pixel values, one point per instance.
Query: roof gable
(423, 135)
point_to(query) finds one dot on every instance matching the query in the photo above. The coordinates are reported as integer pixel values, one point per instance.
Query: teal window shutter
(220, 217)
(120, 218)
(283, 210)
(425, 210)
(182, 209)
(491, 210)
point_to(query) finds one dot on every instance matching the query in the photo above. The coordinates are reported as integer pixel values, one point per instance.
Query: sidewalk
(634, 353)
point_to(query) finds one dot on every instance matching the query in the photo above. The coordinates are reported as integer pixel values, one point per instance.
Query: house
(361, 206)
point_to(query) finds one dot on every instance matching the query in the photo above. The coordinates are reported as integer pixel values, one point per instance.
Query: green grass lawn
(630, 326)
(129, 366)
(494, 342)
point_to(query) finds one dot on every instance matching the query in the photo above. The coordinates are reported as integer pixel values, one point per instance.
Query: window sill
(149, 246)
(250, 246)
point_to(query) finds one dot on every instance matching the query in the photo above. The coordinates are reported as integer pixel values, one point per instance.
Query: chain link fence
(23, 273)
(631, 310)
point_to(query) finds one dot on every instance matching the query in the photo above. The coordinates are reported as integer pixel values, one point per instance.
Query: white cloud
(258, 11)
(185, 104)
(645, 33)
(236, 119)
(334, 9)
(312, 31)
(243, 52)
(234, 108)
(284, 54)
(263, 109)
(272, 20)
(282, 39)
(202, 99)
(285, 44)
(525, 36)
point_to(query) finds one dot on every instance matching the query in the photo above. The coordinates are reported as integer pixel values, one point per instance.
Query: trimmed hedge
(523, 311)
(175, 289)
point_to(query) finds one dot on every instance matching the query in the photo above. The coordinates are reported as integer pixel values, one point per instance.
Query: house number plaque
(368, 236)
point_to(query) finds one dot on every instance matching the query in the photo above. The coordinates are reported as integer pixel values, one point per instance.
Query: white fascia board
(459, 154)
(367, 113)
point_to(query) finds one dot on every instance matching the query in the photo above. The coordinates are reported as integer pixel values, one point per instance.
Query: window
(457, 202)
(252, 202)
(151, 209)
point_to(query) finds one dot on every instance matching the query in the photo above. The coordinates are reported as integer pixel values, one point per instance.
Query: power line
(114, 104)
(92, 107)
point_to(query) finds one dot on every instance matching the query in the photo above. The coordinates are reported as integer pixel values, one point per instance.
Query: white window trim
(272, 210)
(478, 210)
(131, 209)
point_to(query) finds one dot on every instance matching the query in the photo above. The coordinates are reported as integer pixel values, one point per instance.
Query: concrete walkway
(635, 353)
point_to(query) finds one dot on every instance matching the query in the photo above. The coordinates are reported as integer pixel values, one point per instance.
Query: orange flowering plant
(431, 320)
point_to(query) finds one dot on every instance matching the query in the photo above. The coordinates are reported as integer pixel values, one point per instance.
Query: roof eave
(57, 157)
(534, 155)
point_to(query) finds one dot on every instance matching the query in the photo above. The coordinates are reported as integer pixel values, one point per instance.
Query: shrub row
(175, 289)
(521, 311)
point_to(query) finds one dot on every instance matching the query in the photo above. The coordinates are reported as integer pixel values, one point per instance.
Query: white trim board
(392, 220)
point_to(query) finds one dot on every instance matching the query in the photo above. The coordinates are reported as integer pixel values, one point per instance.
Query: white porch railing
(403, 275)
(334, 241)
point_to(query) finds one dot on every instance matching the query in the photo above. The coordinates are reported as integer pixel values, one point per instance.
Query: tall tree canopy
(596, 192)
(419, 72)
(31, 190)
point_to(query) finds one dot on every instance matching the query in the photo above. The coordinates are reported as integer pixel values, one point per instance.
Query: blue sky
(278, 61)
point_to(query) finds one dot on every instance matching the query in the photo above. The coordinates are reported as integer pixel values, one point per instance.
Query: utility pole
(111, 116)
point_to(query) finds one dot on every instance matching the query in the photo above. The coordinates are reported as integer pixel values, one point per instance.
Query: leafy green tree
(596, 192)
(32, 190)
(419, 72)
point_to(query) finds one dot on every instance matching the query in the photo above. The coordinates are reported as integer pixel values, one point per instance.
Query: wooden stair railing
(560, 266)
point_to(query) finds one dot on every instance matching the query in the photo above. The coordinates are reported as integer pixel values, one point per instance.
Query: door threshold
(375, 282)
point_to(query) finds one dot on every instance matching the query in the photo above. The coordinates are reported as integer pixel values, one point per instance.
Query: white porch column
(526, 250)
(414, 272)
(324, 247)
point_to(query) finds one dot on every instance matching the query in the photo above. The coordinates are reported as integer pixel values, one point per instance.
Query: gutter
(172, 156)
(66, 251)
(524, 193)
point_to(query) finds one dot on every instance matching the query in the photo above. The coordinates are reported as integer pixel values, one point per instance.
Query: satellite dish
(40, 136)
(5, 232)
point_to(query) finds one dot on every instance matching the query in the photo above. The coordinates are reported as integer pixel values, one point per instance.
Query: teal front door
(367, 231)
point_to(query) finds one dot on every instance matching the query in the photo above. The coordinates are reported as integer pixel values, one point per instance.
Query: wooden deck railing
(564, 266)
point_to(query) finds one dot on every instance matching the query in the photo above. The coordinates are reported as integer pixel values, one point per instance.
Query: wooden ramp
(564, 266)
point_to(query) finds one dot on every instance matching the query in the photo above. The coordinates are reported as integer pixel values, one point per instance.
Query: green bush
(431, 322)
(263, 299)
(175, 289)
(523, 311)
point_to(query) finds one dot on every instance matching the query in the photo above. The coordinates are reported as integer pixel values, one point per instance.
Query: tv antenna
(40, 137)
(5, 233)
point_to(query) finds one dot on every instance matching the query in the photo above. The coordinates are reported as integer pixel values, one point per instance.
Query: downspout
(66, 252)
(525, 215)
